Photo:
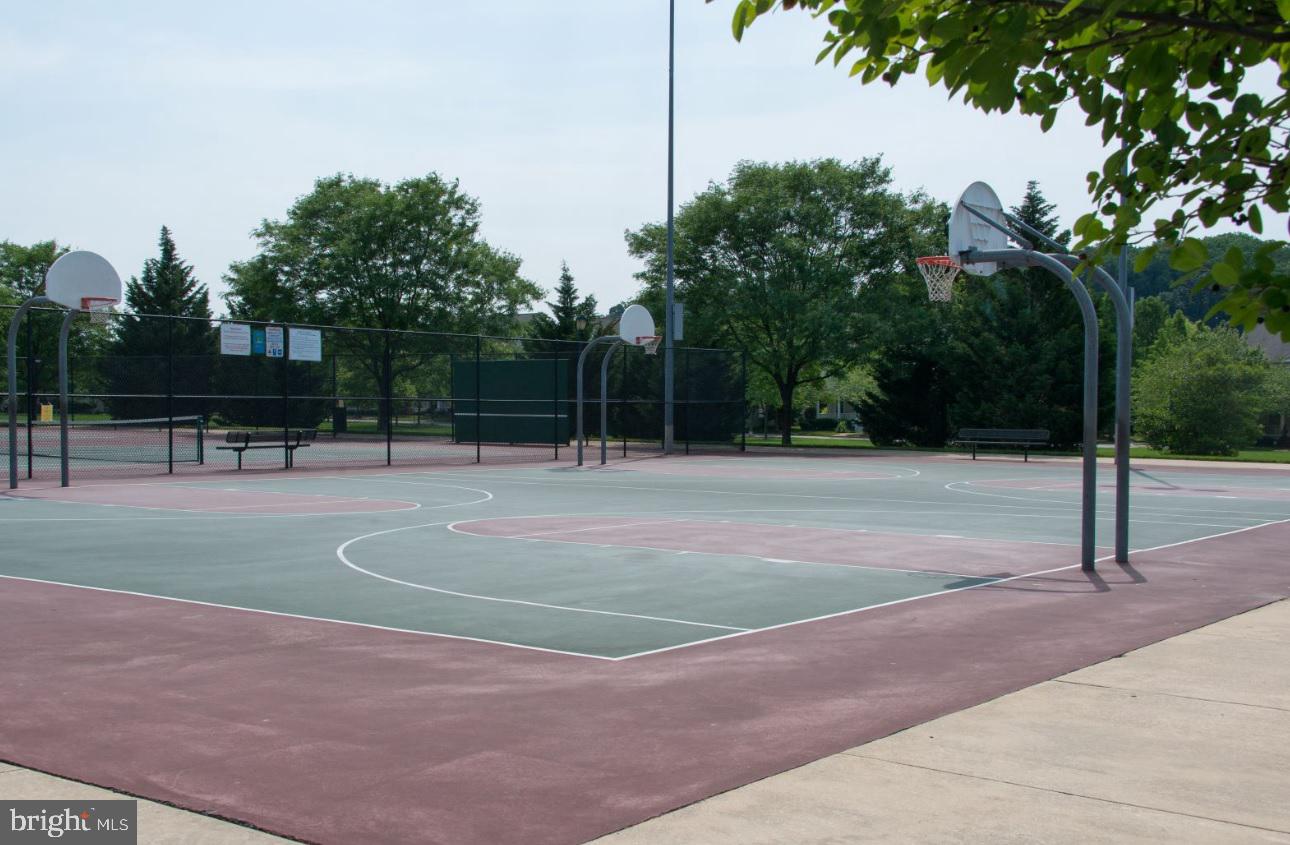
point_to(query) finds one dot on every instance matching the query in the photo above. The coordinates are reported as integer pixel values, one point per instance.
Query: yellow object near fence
(46, 413)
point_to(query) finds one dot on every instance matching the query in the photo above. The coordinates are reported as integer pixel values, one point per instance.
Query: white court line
(939, 593)
(1107, 515)
(599, 656)
(340, 553)
(308, 618)
(214, 514)
(1153, 510)
(944, 505)
(452, 526)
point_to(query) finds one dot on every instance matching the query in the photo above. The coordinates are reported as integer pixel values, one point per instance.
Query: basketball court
(545, 653)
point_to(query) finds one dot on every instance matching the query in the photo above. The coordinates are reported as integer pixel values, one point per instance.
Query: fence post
(689, 406)
(31, 393)
(555, 403)
(334, 394)
(622, 404)
(170, 396)
(286, 398)
(479, 434)
(387, 387)
(743, 391)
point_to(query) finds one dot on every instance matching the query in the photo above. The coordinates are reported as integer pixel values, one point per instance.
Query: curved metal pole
(604, 403)
(13, 382)
(63, 332)
(582, 359)
(1123, 414)
(1030, 258)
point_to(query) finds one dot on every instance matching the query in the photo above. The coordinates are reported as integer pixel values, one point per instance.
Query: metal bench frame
(290, 440)
(1026, 438)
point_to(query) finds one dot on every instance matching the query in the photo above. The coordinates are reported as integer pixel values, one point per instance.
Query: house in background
(1276, 427)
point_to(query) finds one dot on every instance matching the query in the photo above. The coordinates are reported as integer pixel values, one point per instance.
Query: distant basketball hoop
(939, 272)
(649, 343)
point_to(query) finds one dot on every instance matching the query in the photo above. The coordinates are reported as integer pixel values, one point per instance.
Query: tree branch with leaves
(1168, 82)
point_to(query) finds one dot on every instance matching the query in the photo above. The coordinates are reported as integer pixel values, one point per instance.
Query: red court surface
(333, 733)
(170, 497)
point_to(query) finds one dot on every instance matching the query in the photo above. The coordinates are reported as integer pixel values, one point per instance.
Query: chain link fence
(159, 394)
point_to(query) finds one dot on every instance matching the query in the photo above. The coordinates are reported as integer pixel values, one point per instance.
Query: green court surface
(612, 563)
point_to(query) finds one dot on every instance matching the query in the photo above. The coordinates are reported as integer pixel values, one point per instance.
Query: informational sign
(234, 339)
(257, 340)
(306, 344)
(273, 341)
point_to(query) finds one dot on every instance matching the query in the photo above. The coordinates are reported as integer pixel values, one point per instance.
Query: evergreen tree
(152, 356)
(1017, 359)
(566, 311)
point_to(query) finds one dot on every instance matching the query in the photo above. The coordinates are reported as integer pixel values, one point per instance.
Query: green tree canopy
(566, 310)
(1200, 391)
(408, 256)
(23, 268)
(1170, 83)
(779, 260)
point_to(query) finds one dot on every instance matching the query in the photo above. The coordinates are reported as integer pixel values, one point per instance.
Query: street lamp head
(581, 323)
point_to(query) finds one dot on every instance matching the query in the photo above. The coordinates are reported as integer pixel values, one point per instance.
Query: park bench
(289, 439)
(1026, 438)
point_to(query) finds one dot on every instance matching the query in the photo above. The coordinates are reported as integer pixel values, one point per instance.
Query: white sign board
(273, 341)
(234, 339)
(306, 344)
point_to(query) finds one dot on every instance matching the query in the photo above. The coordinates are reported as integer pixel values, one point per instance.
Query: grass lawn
(809, 441)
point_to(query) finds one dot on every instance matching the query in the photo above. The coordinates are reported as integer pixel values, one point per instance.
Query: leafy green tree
(407, 256)
(1169, 82)
(1149, 315)
(148, 356)
(1200, 393)
(566, 310)
(23, 268)
(782, 260)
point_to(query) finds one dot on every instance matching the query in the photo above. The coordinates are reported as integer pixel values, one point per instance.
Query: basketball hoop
(649, 343)
(939, 272)
(99, 309)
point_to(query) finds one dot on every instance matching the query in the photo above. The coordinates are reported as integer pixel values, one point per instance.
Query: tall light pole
(669, 307)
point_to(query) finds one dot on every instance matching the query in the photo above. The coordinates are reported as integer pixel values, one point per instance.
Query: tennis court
(538, 652)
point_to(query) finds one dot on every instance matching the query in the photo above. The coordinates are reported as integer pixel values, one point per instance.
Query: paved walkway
(1187, 740)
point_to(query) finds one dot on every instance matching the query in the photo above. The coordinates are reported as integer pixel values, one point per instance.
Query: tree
(566, 311)
(153, 357)
(1169, 82)
(408, 256)
(778, 260)
(1200, 393)
(23, 268)
(1017, 351)
(1149, 315)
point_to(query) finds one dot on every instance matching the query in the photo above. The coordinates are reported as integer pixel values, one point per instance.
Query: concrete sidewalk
(1187, 740)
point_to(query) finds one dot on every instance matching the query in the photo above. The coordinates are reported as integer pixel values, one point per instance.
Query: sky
(210, 118)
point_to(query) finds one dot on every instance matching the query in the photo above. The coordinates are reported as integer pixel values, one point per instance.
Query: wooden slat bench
(290, 440)
(1026, 438)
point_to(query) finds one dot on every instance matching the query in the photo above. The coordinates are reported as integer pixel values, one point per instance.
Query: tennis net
(158, 440)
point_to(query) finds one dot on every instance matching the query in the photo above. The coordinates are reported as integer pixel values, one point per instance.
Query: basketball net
(939, 272)
(100, 310)
(649, 343)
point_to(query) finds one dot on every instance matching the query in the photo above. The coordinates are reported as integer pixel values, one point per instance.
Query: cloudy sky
(208, 118)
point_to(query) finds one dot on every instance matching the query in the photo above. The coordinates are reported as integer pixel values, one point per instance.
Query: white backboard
(967, 231)
(79, 275)
(635, 322)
